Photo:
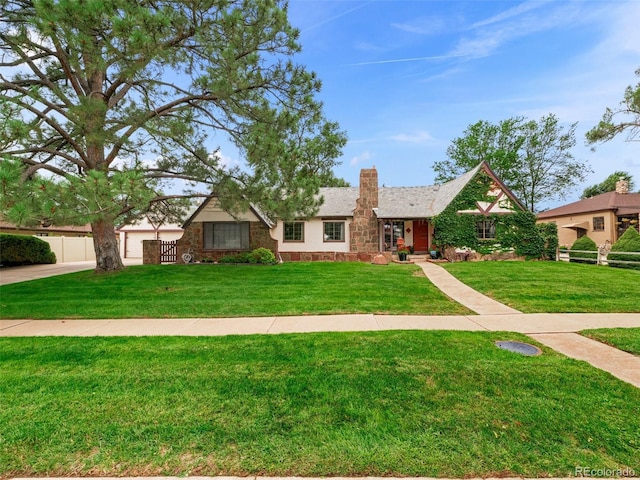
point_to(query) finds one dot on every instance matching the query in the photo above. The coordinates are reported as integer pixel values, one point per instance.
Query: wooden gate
(168, 251)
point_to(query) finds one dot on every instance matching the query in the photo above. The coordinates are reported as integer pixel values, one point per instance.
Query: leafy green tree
(629, 110)
(607, 185)
(91, 90)
(533, 158)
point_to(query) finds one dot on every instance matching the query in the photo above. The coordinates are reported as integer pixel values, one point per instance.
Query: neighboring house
(132, 235)
(353, 223)
(45, 230)
(602, 218)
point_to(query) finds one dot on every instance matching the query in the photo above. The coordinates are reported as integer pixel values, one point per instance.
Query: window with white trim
(293, 232)
(333, 232)
(226, 235)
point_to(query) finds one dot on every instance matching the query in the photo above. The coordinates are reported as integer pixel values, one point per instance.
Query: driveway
(32, 272)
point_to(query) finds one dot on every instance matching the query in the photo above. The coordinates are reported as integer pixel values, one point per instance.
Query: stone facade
(364, 236)
(151, 252)
(192, 241)
(330, 256)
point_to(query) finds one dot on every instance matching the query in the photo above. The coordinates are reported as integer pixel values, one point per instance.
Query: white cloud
(511, 12)
(490, 34)
(417, 137)
(363, 157)
(423, 26)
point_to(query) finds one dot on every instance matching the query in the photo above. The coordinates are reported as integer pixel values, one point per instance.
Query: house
(46, 230)
(353, 223)
(603, 218)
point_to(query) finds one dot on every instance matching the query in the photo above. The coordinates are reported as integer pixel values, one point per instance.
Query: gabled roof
(622, 203)
(255, 210)
(393, 202)
(404, 202)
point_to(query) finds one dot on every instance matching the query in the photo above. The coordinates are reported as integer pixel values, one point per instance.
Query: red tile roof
(621, 203)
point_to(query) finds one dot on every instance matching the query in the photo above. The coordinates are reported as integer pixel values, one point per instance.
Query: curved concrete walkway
(463, 294)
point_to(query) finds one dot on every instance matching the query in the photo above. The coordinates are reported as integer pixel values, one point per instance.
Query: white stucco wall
(313, 238)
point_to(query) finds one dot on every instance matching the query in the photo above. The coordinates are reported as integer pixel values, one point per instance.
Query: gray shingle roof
(396, 202)
(338, 201)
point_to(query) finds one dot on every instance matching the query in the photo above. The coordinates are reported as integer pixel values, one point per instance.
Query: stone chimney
(622, 185)
(364, 228)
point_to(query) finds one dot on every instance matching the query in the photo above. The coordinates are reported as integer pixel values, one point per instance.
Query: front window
(486, 229)
(393, 230)
(625, 222)
(226, 235)
(293, 232)
(334, 231)
(598, 224)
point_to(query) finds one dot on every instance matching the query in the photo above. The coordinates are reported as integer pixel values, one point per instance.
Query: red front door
(420, 236)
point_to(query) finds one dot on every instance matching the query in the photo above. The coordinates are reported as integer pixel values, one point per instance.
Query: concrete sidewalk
(537, 323)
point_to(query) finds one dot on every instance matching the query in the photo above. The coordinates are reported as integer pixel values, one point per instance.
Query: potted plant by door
(403, 251)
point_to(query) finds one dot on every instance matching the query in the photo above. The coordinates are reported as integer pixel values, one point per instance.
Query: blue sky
(404, 78)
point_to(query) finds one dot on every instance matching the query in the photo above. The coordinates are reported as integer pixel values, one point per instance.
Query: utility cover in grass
(519, 347)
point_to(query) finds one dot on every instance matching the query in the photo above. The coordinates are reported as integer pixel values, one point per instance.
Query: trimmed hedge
(262, 256)
(583, 243)
(24, 250)
(628, 242)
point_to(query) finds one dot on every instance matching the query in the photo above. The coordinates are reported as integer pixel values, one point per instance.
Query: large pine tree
(91, 90)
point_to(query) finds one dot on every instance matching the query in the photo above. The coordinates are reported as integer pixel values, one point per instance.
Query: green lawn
(229, 291)
(561, 287)
(627, 339)
(445, 404)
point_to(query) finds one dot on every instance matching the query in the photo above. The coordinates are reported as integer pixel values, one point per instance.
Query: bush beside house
(628, 242)
(577, 253)
(24, 250)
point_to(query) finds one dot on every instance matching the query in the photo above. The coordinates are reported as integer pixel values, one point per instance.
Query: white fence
(71, 249)
(601, 256)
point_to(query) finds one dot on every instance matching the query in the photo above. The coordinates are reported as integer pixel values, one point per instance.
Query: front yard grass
(553, 287)
(419, 403)
(157, 291)
(627, 339)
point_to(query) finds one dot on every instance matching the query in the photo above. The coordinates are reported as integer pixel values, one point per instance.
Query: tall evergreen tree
(90, 90)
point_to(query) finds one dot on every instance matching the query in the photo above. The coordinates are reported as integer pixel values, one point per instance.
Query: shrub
(244, 257)
(24, 250)
(628, 242)
(549, 233)
(263, 256)
(583, 243)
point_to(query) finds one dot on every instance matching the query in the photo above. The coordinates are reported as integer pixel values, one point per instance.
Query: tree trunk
(105, 244)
